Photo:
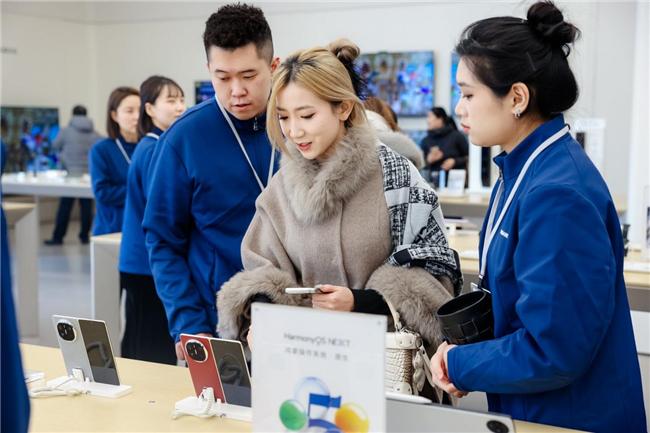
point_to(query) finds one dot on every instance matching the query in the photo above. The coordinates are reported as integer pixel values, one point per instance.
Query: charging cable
(77, 387)
(205, 407)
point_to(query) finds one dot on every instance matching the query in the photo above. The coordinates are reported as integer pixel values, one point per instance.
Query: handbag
(407, 363)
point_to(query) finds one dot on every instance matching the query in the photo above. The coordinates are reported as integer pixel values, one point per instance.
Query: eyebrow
(463, 84)
(247, 71)
(303, 107)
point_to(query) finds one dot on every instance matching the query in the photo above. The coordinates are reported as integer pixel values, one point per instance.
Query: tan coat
(328, 223)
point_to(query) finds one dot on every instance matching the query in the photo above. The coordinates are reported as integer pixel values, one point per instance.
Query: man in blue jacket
(207, 171)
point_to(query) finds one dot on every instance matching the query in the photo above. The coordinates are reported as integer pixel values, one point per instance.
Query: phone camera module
(196, 350)
(66, 331)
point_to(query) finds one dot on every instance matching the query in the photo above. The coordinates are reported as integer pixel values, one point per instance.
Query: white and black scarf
(416, 221)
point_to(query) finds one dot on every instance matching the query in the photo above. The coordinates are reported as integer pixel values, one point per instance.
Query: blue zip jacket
(15, 402)
(564, 351)
(133, 253)
(201, 201)
(108, 169)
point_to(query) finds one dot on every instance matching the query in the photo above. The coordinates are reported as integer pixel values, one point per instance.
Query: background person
(444, 147)
(73, 144)
(110, 159)
(146, 335)
(382, 119)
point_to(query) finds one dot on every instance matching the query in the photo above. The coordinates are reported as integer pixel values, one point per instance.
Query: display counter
(22, 219)
(156, 387)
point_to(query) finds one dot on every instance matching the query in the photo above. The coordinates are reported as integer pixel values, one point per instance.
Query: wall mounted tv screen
(455, 90)
(28, 136)
(403, 79)
(202, 91)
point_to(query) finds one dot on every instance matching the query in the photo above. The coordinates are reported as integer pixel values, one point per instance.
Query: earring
(518, 114)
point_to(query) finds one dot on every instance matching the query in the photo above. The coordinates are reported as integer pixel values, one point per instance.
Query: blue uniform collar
(157, 131)
(124, 142)
(512, 163)
(256, 124)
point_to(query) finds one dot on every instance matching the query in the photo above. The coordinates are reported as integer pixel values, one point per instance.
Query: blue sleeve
(15, 402)
(565, 272)
(167, 224)
(106, 191)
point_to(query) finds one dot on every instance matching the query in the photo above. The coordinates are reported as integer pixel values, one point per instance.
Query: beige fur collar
(316, 188)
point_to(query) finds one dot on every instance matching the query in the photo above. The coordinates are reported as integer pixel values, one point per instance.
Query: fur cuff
(415, 294)
(233, 300)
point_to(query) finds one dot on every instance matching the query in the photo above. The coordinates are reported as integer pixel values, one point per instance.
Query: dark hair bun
(344, 50)
(547, 22)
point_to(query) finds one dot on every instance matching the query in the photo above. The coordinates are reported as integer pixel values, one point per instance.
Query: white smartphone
(86, 346)
(301, 290)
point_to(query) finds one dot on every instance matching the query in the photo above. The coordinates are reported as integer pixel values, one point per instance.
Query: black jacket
(451, 142)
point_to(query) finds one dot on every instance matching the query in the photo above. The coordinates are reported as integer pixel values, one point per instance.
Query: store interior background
(64, 53)
(59, 54)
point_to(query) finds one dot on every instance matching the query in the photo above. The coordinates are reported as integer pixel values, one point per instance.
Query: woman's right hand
(435, 155)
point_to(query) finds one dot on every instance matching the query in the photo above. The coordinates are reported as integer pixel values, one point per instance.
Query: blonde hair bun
(345, 50)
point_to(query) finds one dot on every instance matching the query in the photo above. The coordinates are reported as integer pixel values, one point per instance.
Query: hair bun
(344, 50)
(547, 22)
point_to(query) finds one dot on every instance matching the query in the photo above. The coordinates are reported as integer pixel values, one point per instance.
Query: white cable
(57, 391)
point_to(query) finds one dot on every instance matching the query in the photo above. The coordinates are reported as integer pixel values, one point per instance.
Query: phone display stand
(205, 406)
(87, 387)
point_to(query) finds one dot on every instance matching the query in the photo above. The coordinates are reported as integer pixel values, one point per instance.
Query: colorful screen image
(455, 90)
(203, 90)
(403, 79)
(28, 133)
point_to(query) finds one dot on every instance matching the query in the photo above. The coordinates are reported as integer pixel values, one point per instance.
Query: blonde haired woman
(344, 212)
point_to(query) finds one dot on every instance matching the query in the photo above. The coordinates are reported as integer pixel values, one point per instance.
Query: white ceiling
(108, 12)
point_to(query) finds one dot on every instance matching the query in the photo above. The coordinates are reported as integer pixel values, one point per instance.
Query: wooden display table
(156, 387)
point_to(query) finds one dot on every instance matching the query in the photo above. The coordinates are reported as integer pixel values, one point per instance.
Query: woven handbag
(407, 363)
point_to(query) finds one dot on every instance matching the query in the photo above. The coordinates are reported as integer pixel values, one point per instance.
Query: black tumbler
(467, 318)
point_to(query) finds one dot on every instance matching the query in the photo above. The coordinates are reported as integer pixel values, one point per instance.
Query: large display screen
(29, 134)
(455, 90)
(403, 79)
(203, 90)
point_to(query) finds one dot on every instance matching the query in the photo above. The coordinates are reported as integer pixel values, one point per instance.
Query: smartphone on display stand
(202, 365)
(85, 345)
(233, 370)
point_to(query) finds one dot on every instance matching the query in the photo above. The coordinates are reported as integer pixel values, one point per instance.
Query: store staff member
(110, 158)
(551, 245)
(162, 101)
(207, 171)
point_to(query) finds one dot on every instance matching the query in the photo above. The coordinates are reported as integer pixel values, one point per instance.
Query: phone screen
(233, 371)
(98, 348)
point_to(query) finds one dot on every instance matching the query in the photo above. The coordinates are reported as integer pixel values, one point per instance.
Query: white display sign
(317, 370)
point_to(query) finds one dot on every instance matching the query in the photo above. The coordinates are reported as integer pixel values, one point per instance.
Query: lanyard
(153, 135)
(126, 155)
(491, 227)
(241, 145)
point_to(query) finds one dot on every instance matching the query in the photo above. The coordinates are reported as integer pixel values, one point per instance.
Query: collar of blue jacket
(157, 131)
(254, 124)
(512, 163)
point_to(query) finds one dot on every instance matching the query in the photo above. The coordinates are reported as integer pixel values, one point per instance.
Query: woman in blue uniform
(551, 245)
(110, 158)
(145, 335)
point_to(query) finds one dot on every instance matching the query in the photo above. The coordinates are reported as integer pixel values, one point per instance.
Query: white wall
(125, 54)
(53, 66)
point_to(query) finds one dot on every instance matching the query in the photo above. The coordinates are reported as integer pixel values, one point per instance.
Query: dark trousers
(63, 218)
(146, 335)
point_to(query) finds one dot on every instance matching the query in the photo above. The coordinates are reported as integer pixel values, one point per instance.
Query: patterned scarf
(416, 221)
